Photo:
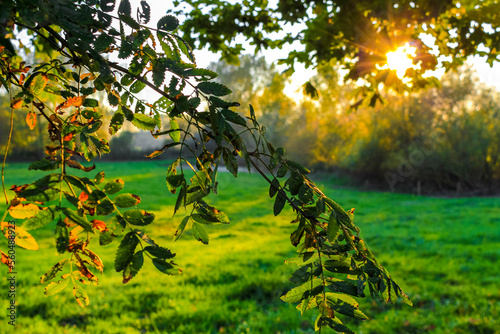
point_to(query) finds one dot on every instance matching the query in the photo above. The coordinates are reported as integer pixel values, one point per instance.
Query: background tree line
(442, 140)
(445, 139)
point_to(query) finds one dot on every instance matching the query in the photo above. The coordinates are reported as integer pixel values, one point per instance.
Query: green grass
(443, 252)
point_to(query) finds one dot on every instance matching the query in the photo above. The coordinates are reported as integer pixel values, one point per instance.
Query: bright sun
(401, 59)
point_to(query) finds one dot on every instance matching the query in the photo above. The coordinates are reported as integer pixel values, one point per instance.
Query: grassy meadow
(444, 253)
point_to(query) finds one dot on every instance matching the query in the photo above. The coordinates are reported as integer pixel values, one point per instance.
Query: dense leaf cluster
(358, 34)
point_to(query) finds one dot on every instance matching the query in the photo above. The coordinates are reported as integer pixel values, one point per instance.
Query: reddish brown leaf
(95, 259)
(77, 165)
(5, 260)
(99, 225)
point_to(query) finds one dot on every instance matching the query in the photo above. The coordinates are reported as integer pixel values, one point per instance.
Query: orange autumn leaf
(17, 103)
(76, 101)
(21, 78)
(68, 137)
(2, 48)
(83, 197)
(5, 258)
(95, 259)
(31, 120)
(99, 225)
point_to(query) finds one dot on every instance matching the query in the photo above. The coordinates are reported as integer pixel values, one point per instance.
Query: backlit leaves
(31, 120)
(200, 233)
(22, 211)
(168, 23)
(138, 217)
(52, 273)
(42, 218)
(125, 251)
(127, 200)
(114, 186)
(81, 296)
(213, 88)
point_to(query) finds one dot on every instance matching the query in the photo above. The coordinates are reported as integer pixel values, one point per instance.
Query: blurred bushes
(444, 140)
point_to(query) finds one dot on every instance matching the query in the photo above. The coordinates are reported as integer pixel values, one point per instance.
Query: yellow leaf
(23, 211)
(31, 120)
(22, 237)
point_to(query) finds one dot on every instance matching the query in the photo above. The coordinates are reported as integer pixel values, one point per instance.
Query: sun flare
(401, 59)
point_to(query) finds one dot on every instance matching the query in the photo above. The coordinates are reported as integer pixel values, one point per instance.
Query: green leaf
(168, 23)
(214, 88)
(105, 207)
(144, 122)
(39, 194)
(99, 178)
(165, 267)
(274, 187)
(55, 287)
(52, 273)
(137, 86)
(305, 193)
(127, 200)
(124, 8)
(38, 83)
(116, 122)
(160, 252)
(345, 305)
(102, 42)
(125, 251)
(181, 228)
(198, 188)
(279, 204)
(126, 49)
(298, 167)
(200, 233)
(230, 162)
(74, 217)
(294, 182)
(333, 227)
(175, 181)
(114, 186)
(45, 165)
(42, 218)
(81, 295)
(201, 74)
(129, 21)
(307, 290)
(133, 267)
(174, 135)
(62, 237)
(181, 199)
(211, 214)
(282, 171)
(298, 233)
(138, 217)
(233, 117)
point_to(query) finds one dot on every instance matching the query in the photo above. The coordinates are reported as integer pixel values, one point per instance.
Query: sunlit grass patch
(443, 252)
